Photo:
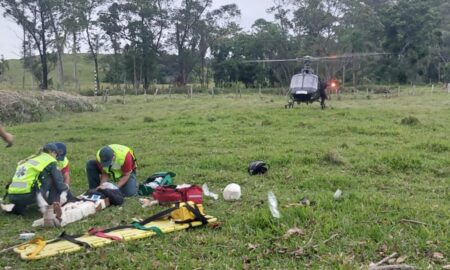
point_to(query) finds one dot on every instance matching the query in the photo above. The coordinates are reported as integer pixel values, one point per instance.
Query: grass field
(390, 172)
(14, 75)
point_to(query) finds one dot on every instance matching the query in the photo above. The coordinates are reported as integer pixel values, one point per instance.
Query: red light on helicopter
(333, 84)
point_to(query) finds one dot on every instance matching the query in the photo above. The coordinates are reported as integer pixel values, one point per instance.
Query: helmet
(257, 167)
(232, 192)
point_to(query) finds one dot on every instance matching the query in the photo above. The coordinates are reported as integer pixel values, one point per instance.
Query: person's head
(51, 149)
(62, 151)
(106, 156)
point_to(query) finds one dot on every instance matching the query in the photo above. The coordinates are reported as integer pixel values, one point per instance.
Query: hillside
(12, 80)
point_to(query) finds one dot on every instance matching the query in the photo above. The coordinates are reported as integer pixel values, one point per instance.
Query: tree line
(189, 41)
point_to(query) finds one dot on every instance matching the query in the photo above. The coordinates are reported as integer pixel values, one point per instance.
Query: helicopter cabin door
(304, 86)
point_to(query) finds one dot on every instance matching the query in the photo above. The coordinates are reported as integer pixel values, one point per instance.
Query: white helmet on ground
(232, 192)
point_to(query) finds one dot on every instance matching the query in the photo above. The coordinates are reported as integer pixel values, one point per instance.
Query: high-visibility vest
(27, 174)
(61, 164)
(120, 153)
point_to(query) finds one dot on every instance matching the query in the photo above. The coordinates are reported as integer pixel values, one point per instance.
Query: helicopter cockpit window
(310, 81)
(296, 81)
(304, 81)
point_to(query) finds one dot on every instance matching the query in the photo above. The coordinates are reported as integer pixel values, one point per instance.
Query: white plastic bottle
(273, 204)
(337, 195)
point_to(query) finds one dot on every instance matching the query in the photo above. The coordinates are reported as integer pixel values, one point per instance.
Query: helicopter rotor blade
(272, 60)
(317, 58)
(347, 55)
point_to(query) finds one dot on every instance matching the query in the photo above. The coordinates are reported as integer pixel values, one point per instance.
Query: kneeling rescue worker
(63, 162)
(36, 174)
(114, 162)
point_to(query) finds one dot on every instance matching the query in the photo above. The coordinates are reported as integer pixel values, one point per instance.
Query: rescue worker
(36, 175)
(113, 162)
(63, 162)
(323, 93)
(6, 136)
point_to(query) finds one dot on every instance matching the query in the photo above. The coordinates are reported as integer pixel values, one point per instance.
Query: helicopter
(306, 86)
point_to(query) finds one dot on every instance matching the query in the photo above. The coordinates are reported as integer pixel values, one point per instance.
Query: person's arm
(103, 178)
(124, 179)
(58, 179)
(127, 168)
(66, 177)
(7, 137)
(66, 174)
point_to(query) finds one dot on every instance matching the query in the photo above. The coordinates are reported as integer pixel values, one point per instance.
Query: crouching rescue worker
(63, 162)
(36, 176)
(114, 162)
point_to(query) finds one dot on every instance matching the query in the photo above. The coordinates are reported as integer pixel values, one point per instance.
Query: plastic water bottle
(26, 236)
(337, 194)
(273, 204)
(209, 193)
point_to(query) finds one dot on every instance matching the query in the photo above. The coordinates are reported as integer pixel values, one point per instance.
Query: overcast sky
(10, 33)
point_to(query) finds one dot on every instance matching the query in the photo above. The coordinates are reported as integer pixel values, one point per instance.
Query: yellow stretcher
(38, 248)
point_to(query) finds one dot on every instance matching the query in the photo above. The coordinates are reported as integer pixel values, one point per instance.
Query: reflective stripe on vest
(120, 153)
(28, 172)
(61, 164)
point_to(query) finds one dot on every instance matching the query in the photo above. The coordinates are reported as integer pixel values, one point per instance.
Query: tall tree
(4, 65)
(186, 37)
(357, 36)
(75, 23)
(33, 16)
(217, 24)
(93, 34)
(110, 23)
(409, 36)
(147, 23)
(57, 12)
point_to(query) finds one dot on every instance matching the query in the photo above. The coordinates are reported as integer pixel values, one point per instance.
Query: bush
(410, 121)
(149, 119)
(266, 123)
(334, 157)
(19, 107)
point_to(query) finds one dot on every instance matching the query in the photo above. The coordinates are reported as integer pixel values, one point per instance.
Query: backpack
(186, 212)
(171, 194)
(155, 180)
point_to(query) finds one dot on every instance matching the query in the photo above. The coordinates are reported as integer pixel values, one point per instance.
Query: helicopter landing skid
(290, 104)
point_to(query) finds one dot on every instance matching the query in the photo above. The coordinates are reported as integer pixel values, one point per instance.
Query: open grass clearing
(389, 172)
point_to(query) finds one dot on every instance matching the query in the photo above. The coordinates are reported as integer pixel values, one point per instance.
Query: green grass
(388, 172)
